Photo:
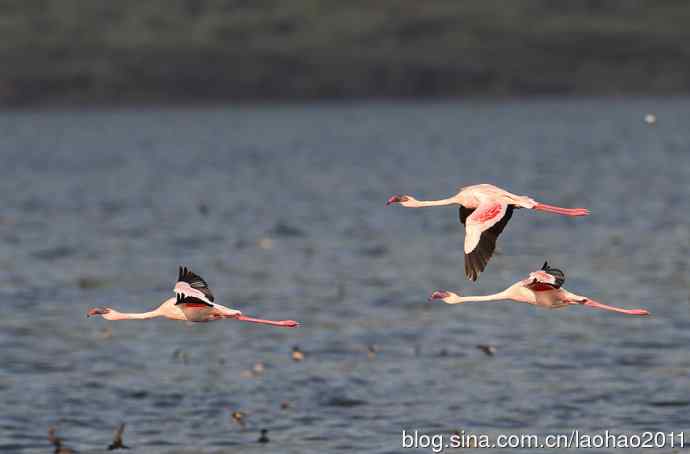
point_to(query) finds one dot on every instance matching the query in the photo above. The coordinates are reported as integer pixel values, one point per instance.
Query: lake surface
(281, 209)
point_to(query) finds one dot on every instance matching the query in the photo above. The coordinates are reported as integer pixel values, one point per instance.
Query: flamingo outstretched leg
(598, 305)
(560, 210)
(281, 323)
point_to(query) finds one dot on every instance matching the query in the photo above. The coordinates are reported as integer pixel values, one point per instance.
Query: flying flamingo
(541, 288)
(485, 210)
(193, 302)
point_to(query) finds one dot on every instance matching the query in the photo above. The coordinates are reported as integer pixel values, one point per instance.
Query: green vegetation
(179, 50)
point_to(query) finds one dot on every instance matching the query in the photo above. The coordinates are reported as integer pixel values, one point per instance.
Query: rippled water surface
(281, 209)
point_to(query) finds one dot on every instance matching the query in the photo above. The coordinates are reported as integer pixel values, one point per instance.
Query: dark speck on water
(99, 223)
(488, 350)
(55, 253)
(284, 229)
(340, 401)
(87, 282)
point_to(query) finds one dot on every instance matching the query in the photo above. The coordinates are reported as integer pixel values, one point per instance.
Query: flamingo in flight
(193, 302)
(484, 210)
(542, 288)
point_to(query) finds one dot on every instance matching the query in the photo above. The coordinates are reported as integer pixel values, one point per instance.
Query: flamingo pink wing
(541, 281)
(482, 228)
(189, 283)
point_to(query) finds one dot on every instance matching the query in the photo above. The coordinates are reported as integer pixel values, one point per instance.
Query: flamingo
(484, 210)
(193, 302)
(542, 288)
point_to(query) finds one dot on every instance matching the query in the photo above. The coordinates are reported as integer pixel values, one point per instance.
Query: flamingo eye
(404, 198)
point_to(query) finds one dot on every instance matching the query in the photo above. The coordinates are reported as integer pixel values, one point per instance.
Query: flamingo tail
(560, 210)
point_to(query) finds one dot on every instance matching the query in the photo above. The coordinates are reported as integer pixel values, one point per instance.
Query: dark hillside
(178, 50)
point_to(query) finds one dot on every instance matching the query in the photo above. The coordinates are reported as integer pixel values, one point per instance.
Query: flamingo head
(401, 199)
(442, 295)
(97, 311)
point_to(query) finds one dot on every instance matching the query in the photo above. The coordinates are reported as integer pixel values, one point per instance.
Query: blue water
(281, 209)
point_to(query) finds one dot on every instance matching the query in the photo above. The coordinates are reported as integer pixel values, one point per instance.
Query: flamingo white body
(193, 302)
(485, 211)
(541, 288)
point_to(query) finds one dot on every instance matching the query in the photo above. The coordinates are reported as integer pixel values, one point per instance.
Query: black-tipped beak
(392, 200)
(97, 311)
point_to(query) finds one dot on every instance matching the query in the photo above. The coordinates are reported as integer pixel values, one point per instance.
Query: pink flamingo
(541, 288)
(485, 210)
(193, 303)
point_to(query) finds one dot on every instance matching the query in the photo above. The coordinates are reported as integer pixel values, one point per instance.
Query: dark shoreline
(158, 52)
(152, 103)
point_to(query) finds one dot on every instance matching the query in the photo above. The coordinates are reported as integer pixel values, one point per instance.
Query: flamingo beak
(439, 295)
(96, 311)
(392, 200)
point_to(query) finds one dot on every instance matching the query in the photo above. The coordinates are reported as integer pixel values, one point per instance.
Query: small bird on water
(117, 439)
(57, 443)
(264, 436)
(256, 371)
(297, 354)
(650, 119)
(238, 417)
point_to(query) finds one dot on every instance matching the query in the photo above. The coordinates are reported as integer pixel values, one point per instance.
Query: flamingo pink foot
(563, 211)
(598, 305)
(281, 323)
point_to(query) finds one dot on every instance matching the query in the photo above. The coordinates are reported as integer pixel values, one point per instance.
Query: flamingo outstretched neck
(454, 298)
(111, 314)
